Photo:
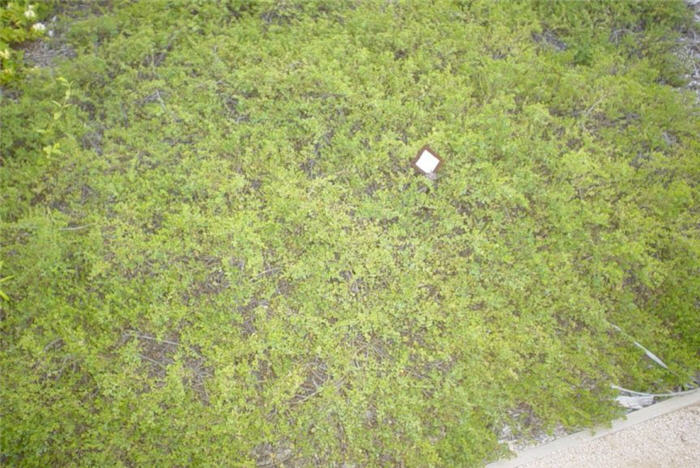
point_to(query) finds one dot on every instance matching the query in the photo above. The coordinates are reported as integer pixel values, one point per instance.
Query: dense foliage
(218, 253)
(19, 22)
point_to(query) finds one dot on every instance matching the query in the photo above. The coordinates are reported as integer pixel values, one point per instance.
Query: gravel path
(666, 434)
(671, 440)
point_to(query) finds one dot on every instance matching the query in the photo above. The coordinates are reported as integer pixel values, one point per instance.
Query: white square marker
(427, 161)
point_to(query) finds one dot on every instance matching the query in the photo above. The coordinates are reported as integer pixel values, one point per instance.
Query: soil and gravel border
(637, 428)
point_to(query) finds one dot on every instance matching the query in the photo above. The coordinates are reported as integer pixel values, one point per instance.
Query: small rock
(635, 402)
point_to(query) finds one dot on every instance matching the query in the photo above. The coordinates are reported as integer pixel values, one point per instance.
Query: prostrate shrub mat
(219, 253)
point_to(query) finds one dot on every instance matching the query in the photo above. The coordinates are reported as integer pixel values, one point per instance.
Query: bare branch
(75, 228)
(146, 337)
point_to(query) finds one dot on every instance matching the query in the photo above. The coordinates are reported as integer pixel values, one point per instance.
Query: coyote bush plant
(221, 256)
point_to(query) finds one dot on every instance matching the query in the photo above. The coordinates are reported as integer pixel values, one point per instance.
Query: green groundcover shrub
(218, 253)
